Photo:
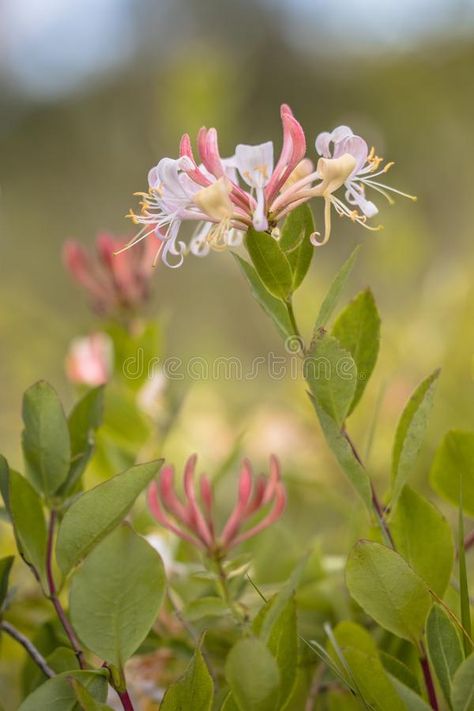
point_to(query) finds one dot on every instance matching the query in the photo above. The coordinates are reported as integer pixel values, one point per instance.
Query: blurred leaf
(86, 701)
(332, 377)
(194, 690)
(364, 668)
(253, 676)
(28, 523)
(5, 567)
(345, 456)
(423, 537)
(389, 591)
(205, 607)
(48, 638)
(335, 291)
(462, 695)
(116, 594)
(444, 647)
(281, 638)
(272, 306)
(464, 601)
(229, 704)
(85, 417)
(411, 700)
(57, 694)
(96, 512)
(410, 432)
(61, 659)
(46, 443)
(4, 481)
(455, 457)
(271, 263)
(358, 331)
(400, 671)
(295, 242)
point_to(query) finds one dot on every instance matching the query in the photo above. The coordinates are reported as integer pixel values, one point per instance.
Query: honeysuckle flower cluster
(113, 282)
(89, 360)
(224, 197)
(194, 519)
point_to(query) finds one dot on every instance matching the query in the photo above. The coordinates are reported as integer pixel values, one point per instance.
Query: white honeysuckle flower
(343, 141)
(255, 165)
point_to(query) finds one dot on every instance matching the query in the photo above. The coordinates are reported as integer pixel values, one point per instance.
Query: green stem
(292, 317)
(225, 592)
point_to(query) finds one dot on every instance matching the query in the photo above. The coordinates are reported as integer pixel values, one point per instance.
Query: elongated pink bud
(293, 151)
(185, 149)
(236, 518)
(271, 517)
(159, 514)
(168, 495)
(198, 521)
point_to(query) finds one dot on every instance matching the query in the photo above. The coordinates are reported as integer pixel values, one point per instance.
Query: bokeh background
(94, 92)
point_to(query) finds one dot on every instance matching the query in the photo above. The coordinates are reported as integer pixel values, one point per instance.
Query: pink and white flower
(227, 197)
(194, 519)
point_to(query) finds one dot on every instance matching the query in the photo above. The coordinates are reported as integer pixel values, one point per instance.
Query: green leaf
(462, 695)
(444, 647)
(410, 698)
(194, 690)
(295, 242)
(335, 291)
(97, 511)
(116, 594)
(363, 668)
(358, 331)
(348, 462)
(464, 601)
(332, 377)
(207, 606)
(410, 432)
(455, 457)
(253, 676)
(272, 306)
(423, 537)
(5, 567)
(270, 262)
(28, 523)
(400, 671)
(57, 694)
(385, 586)
(46, 443)
(84, 419)
(85, 698)
(4, 481)
(281, 639)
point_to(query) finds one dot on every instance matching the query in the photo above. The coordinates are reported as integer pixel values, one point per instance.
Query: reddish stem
(430, 687)
(53, 595)
(126, 700)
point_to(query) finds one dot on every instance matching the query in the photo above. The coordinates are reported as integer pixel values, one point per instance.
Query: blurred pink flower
(194, 520)
(210, 194)
(113, 282)
(90, 359)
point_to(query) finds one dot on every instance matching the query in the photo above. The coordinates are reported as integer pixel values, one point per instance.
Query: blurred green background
(93, 93)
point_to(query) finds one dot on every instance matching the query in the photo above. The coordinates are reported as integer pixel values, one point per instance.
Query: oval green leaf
(116, 594)
(410, 432)
(423, 537)
(455, 456)
(444, 647)
(29, 523)
(57, 694)
(253, 676)
(97, 511)
(46, 443)
(295, 241)
(270, 262)
(462, 695)
(195, 689)
(385, 586)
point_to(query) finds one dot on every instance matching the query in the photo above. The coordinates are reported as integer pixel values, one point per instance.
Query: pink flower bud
(89, 360)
